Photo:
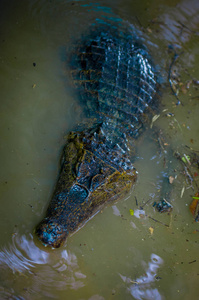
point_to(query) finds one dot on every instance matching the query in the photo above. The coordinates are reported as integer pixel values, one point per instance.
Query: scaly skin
(86, 183)
(116, 83)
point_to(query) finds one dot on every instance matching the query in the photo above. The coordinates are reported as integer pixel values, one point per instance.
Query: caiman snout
(50, 233)
(87, 181)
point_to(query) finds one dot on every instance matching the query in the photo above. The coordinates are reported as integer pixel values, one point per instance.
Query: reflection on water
(13, 258)
(179, 24)
(142, 287)
(39, 271)
(35, 105)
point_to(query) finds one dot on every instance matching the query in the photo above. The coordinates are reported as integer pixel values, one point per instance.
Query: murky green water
(116, 255)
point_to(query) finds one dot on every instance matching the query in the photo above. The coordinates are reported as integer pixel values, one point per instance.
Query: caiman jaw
(88, 180)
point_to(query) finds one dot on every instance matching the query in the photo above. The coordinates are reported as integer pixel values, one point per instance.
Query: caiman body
(116, 83)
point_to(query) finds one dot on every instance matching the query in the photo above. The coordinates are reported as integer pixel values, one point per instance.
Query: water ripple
(143, 287)
(23, 264)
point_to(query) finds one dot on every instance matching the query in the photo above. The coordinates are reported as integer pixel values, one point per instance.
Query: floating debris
(194, 207)
(182, 192)
(154, 119)
(131, 212)
(151, 230)
(171, 179)
(186, 159)
(163, 206)
(172, 76)
(158, 221)
(139, 213)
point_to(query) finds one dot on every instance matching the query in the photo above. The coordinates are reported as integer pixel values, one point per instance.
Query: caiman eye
(77, 194)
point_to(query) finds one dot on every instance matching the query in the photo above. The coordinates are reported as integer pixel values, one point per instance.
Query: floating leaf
(151, 230)
(182, 192)
(131, 212)
(171, 179)
(154, 119)
(184, 89)
(193, 206)
(186, 159)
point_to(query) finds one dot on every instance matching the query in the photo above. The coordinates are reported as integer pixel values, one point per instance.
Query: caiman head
(92, 175)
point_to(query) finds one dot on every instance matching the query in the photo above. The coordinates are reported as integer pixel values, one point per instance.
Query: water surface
(116, 255)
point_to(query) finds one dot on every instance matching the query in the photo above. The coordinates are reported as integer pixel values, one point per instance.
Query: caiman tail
(116, 83)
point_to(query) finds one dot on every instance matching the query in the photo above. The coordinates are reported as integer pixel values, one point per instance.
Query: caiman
(115, 79)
